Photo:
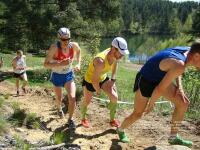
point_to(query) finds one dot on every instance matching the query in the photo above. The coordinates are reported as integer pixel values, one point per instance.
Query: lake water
(139, 45)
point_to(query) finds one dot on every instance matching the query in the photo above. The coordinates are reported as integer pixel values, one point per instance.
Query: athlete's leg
(178, 115)
(58, 93)
(71, 93)
(140, 103)
(87, 96)
(110, 89)
(139, 107)
(25, 81)
(180, 107)
(17, 85)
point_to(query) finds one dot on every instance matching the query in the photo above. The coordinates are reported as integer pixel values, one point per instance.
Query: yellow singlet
(106, 69)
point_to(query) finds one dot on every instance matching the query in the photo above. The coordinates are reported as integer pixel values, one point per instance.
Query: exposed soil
(148, 133)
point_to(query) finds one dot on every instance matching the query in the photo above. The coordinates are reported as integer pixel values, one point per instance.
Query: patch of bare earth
(148, 133)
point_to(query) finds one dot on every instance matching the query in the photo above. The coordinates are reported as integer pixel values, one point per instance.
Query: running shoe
(71, 124)
(122, 136)
(61, 113)
(17, 93)
(114, 123)
(85, 123)
(179, 141)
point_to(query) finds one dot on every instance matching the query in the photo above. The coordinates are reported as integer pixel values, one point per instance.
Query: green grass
(1, 101)
(3, 123)
(125, 81)
(32, 61)
(21, 144)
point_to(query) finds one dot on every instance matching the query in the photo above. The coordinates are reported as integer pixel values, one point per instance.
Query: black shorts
(146, 87)
(90, 87)
(16, 75)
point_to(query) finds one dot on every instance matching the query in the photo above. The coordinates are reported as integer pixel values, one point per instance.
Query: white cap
(64, 33)
(121, 44)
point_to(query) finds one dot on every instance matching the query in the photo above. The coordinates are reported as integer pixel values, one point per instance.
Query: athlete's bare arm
(114, 70)
(49, 63)
(77, 49)
(98, 67)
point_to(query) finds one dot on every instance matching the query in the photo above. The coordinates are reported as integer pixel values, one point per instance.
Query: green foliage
(32, 121)
(181, 40)
(18, 117)
(15, 106)
(3, 125)
(60, 137)
(80, 75)
(192, 87)
(33, 62)
(93, 45)
(38, 76)
(32, 25)
(114, 27)
(84, 65)
(142, 16)
(125, 78)
(188, 24)
(1, 101)
(196, 22)
(21, 118)
(21, 144)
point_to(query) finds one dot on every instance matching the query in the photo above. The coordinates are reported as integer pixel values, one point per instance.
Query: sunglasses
(65, 39)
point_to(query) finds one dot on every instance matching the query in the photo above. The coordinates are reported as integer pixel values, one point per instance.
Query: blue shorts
(60, 79)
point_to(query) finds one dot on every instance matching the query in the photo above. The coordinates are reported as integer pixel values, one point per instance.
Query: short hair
(19, 52)
(195, 48)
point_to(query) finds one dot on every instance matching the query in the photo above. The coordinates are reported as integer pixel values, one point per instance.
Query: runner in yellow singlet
(96, 78)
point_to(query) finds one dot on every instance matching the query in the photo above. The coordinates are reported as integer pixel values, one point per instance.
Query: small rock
(13, 142)
(19, 129)
(2, 145)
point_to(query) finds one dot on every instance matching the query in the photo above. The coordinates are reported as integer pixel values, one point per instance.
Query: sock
(120, 130)
(173, 136)
(112, 107)
(83, 111)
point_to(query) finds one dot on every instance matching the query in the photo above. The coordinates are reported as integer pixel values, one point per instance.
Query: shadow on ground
(5, 75)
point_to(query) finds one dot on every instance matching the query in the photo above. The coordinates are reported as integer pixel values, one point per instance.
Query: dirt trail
(151, 130)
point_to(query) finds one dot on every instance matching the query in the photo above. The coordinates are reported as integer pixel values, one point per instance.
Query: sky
(184, 0)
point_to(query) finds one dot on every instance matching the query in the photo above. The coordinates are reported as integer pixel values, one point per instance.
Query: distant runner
(59, 60)
(155, 79)
(19, 68)
(96, 78)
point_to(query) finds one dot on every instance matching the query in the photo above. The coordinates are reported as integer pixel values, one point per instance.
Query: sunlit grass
(3, 123)
(33, 62)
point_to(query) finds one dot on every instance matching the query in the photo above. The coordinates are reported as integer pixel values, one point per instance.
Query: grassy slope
(32, 61)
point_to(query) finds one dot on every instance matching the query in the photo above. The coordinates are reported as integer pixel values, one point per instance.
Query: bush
(3, 125)
(38, 75)
(191, 85)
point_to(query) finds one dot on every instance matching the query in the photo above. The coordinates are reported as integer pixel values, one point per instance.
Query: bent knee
(86, 101)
